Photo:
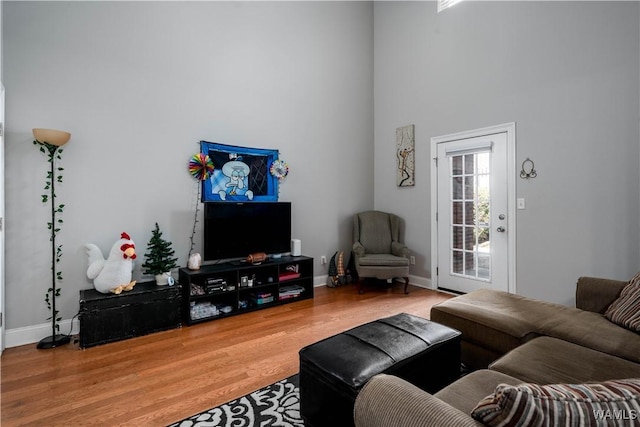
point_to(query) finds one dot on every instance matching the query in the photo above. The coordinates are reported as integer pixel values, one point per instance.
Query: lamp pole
(59, 138)
(54, 340)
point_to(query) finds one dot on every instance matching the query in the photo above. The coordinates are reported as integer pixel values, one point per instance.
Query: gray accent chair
(377, 248)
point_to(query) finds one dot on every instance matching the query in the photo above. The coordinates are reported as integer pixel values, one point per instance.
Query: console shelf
(226, 289)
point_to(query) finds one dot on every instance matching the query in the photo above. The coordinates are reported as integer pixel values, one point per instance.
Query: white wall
(138, 84)
(568, 75)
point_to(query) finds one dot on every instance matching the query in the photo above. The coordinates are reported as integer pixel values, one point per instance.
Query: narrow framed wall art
(405, 156)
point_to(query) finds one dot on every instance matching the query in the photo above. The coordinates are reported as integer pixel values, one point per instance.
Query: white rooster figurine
(113, 274)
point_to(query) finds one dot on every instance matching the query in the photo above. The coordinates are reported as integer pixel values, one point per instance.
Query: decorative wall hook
(531, 173)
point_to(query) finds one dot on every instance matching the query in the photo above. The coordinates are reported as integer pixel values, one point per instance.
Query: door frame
(510, 130)
(3, 315)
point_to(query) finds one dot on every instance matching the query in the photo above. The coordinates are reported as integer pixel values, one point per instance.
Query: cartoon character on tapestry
(236, 174)
(240, 174)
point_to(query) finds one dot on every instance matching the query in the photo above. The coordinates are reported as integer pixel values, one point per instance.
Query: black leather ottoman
(334, 370)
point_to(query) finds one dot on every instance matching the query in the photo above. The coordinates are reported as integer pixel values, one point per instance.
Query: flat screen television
(235, 230)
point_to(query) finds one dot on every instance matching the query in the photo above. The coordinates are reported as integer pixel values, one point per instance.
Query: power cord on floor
(75, 341)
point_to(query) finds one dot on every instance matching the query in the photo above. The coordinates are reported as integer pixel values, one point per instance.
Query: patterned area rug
(276, 405)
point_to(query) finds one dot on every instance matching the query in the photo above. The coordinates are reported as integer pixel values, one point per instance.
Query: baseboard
(319, 281)
(421, 282)
(33, 334)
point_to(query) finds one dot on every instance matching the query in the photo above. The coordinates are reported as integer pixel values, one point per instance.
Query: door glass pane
(458, 217)
(470, 178)
(484, 265)
(469, 212)
(469, 163)
(470, 264)
(482, 234)
(456, 165)
(457, 188)
(457, 237)
(469, 238)
(468, 187)
(457, 262)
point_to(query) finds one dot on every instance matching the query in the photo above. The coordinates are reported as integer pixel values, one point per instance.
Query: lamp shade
(52, 136)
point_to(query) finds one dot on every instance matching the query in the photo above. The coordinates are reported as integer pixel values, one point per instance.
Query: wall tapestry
(405, 155)
(240, 174)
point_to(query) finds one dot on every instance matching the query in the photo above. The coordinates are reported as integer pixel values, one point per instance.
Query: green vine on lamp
(50, 142)
(53, 154)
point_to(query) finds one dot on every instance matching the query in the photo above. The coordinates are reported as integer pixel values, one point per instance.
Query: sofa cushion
(380, 260)
(495, 320)
(547, 360)
(591, 330)
(465, 393)
(625, 311)
(560, 404)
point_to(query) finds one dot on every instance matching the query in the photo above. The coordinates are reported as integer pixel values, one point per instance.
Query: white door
(473, 216)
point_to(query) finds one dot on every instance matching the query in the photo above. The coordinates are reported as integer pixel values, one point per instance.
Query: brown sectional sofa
(510, 339)
(494, 323)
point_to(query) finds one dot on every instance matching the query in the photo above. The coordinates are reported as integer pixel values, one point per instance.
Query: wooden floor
(167, 376)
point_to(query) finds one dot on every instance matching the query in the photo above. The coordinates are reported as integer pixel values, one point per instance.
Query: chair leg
(360, 286)
(406, 285)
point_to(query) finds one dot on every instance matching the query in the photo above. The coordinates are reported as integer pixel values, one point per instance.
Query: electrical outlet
(412, 260)
(323, 259)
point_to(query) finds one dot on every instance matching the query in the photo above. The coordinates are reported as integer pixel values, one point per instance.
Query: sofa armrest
(389, 401)
(595, 294)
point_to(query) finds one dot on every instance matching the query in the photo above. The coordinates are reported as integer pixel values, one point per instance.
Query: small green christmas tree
(159, 255)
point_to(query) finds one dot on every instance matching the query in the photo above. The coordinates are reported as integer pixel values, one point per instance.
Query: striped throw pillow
(625, 311)
(610, 403)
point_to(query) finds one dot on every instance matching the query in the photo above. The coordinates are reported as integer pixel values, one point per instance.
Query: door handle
(500, 229)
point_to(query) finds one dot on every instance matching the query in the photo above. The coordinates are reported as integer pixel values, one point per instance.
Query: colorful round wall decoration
(200, 166)
(279, 169)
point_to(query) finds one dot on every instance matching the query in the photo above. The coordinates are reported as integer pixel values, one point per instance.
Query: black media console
(225, 289)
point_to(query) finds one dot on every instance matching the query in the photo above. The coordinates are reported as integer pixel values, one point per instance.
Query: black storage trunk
(145, 309)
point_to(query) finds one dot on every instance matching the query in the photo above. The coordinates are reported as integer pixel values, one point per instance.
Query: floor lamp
(50, 141)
